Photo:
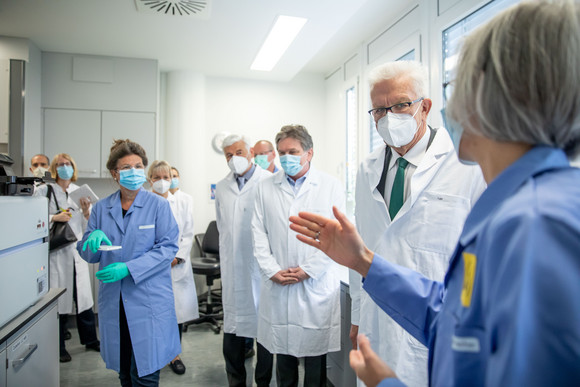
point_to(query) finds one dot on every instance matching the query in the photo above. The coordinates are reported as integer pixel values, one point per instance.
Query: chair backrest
(211, 244)
(198, 243)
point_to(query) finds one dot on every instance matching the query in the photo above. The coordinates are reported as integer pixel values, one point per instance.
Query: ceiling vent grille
(197, 8)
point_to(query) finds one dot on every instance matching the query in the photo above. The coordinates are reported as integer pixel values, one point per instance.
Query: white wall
(197, 108)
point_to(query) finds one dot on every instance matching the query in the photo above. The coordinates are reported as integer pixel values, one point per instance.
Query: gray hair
(518, 77)
(297, 132)
(233, 138)
(414, 71)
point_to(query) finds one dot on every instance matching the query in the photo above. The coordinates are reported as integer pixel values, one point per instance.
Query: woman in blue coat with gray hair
(137, 321)
(507, 312)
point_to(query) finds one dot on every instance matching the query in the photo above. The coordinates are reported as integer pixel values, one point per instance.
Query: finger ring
(317, 235)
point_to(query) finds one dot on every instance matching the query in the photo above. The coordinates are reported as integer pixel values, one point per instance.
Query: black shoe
(65, 357)
(177, 366)
(96, 346)
(67, 335)
(249, 353)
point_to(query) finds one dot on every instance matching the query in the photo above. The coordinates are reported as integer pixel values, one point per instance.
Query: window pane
(351, 148)
(454, 35)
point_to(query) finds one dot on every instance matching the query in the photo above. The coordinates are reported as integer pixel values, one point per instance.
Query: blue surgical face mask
(132, 179)
(291, 164)
(262, 161)
(65, 172)
(455, 131)
(174, 183)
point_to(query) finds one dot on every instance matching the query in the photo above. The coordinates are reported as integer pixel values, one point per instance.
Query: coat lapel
(428, 168)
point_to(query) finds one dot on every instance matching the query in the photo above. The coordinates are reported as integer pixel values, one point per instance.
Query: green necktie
(397, 193)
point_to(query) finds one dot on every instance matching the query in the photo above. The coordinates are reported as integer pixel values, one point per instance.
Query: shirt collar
(248, 175)
(299, 181)
(415, 154)
(536, 160)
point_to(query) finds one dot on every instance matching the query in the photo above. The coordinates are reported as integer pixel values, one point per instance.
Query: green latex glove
(113, 273)
(95, 239)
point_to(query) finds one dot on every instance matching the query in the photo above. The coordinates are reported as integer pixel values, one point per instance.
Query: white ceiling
(222, 45)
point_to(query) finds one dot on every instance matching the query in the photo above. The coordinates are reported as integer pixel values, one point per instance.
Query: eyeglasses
(401, 107)
(63, 165)
(127, 167)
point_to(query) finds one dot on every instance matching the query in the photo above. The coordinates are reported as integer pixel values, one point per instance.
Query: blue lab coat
(148, 235)
(508, 312)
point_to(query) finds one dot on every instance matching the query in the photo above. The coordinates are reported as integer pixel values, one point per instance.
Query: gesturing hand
(336, 238)
(368, 365)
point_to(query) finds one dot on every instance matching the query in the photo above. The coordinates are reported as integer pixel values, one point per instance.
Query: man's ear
(252, 152)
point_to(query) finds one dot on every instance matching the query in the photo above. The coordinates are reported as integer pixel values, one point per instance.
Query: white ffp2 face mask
(161, 186)
(398, 129)
(39, 172)
(238, 164)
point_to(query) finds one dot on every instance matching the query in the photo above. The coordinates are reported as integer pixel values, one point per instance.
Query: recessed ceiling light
(279, 39)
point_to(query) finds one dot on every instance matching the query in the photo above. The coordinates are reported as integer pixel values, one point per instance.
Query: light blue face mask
(132, 179)
(65, 172)
(455, 131)
(291, 164)
(174, 183)
(262, 161)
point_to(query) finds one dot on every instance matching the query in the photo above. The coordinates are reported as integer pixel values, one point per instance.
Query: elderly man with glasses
(412, 197)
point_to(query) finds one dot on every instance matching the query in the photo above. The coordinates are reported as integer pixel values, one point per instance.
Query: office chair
(208, 264)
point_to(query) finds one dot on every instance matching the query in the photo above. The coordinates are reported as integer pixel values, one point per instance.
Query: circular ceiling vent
(198, 8)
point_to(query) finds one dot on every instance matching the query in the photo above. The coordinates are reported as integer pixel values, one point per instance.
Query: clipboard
(82, 192)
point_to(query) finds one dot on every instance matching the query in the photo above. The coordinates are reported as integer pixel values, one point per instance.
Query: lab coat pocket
(145, 239)
(437, 222)
(470, 349)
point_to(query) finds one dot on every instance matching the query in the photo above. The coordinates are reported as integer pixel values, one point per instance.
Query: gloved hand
(113, 272)
(95, 239)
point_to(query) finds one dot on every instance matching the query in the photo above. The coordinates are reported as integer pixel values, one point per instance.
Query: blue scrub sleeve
(410, 299)
(534, 320)
(391, 382)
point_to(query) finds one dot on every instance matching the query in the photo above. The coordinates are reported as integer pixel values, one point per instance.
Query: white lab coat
(184, 293)
(239, 270)
(422, 237)
(66, 260)
(301, 319)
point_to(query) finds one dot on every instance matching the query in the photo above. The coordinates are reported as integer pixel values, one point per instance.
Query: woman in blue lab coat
(507, 313)
(137, 321)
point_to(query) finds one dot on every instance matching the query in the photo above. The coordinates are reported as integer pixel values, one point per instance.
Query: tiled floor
(201, 354)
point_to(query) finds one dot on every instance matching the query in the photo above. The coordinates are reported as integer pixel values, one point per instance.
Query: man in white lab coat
(412, 197)
(235, 196)
(299, 313)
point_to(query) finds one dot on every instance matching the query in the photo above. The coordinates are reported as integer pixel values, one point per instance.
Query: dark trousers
(86, 327)
(128, 374)
(86, 324)
(234, 348)
(314, 371)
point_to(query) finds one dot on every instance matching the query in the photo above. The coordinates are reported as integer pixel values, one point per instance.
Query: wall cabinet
(87, 135)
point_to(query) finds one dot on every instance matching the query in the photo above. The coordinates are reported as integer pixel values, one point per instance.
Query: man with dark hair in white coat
(299, 313)
(235, 196)
(412, 198)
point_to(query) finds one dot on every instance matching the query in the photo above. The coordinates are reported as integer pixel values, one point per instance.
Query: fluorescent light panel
(279, 39)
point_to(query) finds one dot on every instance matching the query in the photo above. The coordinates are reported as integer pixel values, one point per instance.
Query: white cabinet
(31, 354)
(138, 127)
(76, 132)
(2, 363)
(87, 135)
